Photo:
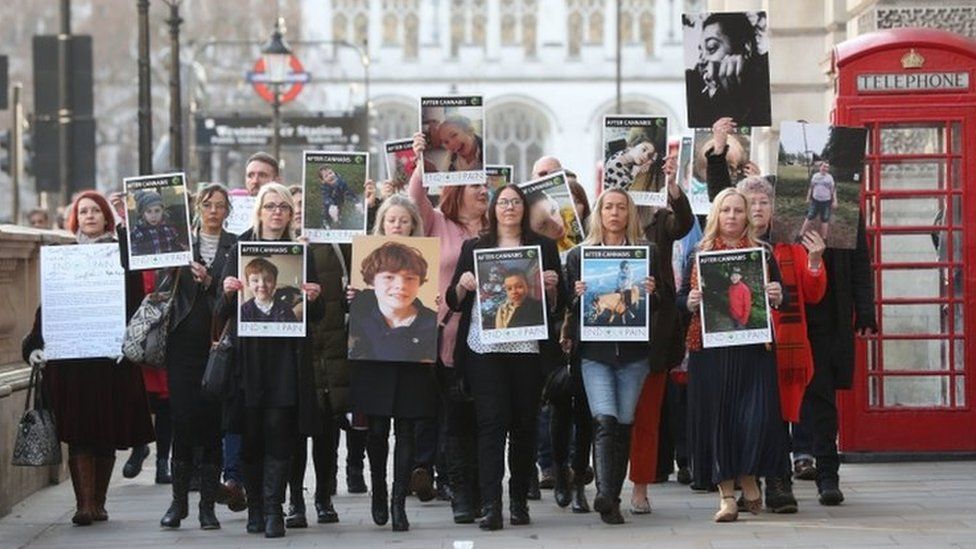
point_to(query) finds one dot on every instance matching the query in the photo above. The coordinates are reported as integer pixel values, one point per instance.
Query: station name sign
(912, 81)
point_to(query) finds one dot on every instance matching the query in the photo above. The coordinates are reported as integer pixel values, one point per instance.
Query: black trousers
(269, 432)
(324, 457)
(817, 432)
(460, 440)
(506, 390)
(675, 412)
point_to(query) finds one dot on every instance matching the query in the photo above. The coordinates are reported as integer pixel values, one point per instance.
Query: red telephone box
(915, 91)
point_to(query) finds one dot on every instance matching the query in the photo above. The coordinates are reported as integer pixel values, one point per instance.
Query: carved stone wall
(957, 19)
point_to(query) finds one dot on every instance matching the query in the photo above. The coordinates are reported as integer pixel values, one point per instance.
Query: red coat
(740, 302)
(794, 359)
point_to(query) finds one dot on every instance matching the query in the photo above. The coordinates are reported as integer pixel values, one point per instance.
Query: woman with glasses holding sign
(613, 371)
(505, 378)
(275, 374)
(736, 432)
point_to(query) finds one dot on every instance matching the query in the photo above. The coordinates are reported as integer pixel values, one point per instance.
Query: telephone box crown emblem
(912, 60)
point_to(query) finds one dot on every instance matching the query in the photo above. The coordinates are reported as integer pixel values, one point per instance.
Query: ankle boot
(324, 510)
(209, 476)
(133, 465)
(491, 518)
(579, 503)
(276, 473)
(179, 507)
(82, 467)
(103, 476)
(253, 486)
(163, 475)
(380, 501)
(518, 509)
(296, 492)
(560, 489)
(603, 461)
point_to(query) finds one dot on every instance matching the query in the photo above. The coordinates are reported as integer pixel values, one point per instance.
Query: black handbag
(217, 375)
(559, 386)
(37, 441)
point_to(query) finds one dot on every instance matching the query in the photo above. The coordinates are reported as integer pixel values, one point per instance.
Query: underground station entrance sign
(331, 131)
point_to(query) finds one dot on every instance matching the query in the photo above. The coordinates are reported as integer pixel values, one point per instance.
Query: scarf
(693, 339)
(82, 238)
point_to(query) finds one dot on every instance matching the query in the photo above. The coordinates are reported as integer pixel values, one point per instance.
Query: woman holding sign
(275, 373)
(613, 371)
(381, 389)
(196, 422)
(734, 410)
(505, 378)
(99, 403)
(460, 216)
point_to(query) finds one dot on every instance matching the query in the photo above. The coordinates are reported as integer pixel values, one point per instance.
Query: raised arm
(415, 188)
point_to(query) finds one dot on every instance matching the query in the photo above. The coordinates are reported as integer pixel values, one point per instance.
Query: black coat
(393, 389)
(188, 345)
(549, 350)
(275, 371)
(330, 336)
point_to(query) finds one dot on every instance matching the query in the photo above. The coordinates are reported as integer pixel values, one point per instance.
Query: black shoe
(579, 503)
(398, 512)
(133, 465)
(324, 510)
(491, 518)
(684, 475)
(443, 491)
(296, 516)
(779, 495)
(255, 520)
(561, 490)
(518, 510)
(179, 508)
(462, 507)
(533, 491)
(380, 503)
(547, 480)
(209, 476)
(253, 488)
(613, 516)
(162, 473)
(355, 481)
(829, 493)
(804, 469)
(422, 484)
(274, 523)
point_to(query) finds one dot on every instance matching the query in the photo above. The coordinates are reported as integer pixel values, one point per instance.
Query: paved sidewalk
(889, 505)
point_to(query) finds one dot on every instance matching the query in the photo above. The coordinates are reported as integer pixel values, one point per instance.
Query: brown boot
(103, 475)
(82, 468)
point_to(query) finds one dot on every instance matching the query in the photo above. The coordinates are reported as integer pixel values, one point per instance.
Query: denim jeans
(613, 390)
(232, 458)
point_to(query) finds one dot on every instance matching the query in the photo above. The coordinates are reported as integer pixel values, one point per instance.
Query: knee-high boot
(103, 476)
(276, 472)
(254, 485)
(604, 458)
(82, 467)
(403, 454)
(621, 456)
(378, 449)
(296, 487)
(179, 507)
(209, 481)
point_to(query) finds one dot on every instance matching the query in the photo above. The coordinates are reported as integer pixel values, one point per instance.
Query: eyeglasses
(272, 207)
(505, 203)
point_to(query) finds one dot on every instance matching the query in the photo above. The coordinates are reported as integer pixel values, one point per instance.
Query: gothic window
(518, 135)
(518, 24)
(637, 24)
(467, 24)
(350, 20)
(392, 120)
(400, 25)
(585, 23)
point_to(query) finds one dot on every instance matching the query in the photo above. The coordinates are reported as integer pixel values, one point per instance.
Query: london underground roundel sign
(294, 81)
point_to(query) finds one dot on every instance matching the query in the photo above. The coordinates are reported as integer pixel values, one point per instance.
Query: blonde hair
(285, 195)
(710, 234)
(594, 236)
(417, 228)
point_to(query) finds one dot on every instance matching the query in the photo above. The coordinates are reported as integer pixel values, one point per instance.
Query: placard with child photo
(334, 192)
(158, 220)
(634, 150)
(510, 295)
(393, 316)
(272, 303)
(454, 127)
(734, 307)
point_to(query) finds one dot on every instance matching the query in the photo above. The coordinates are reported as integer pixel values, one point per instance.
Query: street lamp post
(277, 58)
(175, 97)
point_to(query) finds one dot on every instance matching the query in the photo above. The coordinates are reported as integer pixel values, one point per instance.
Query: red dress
(155, 379)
